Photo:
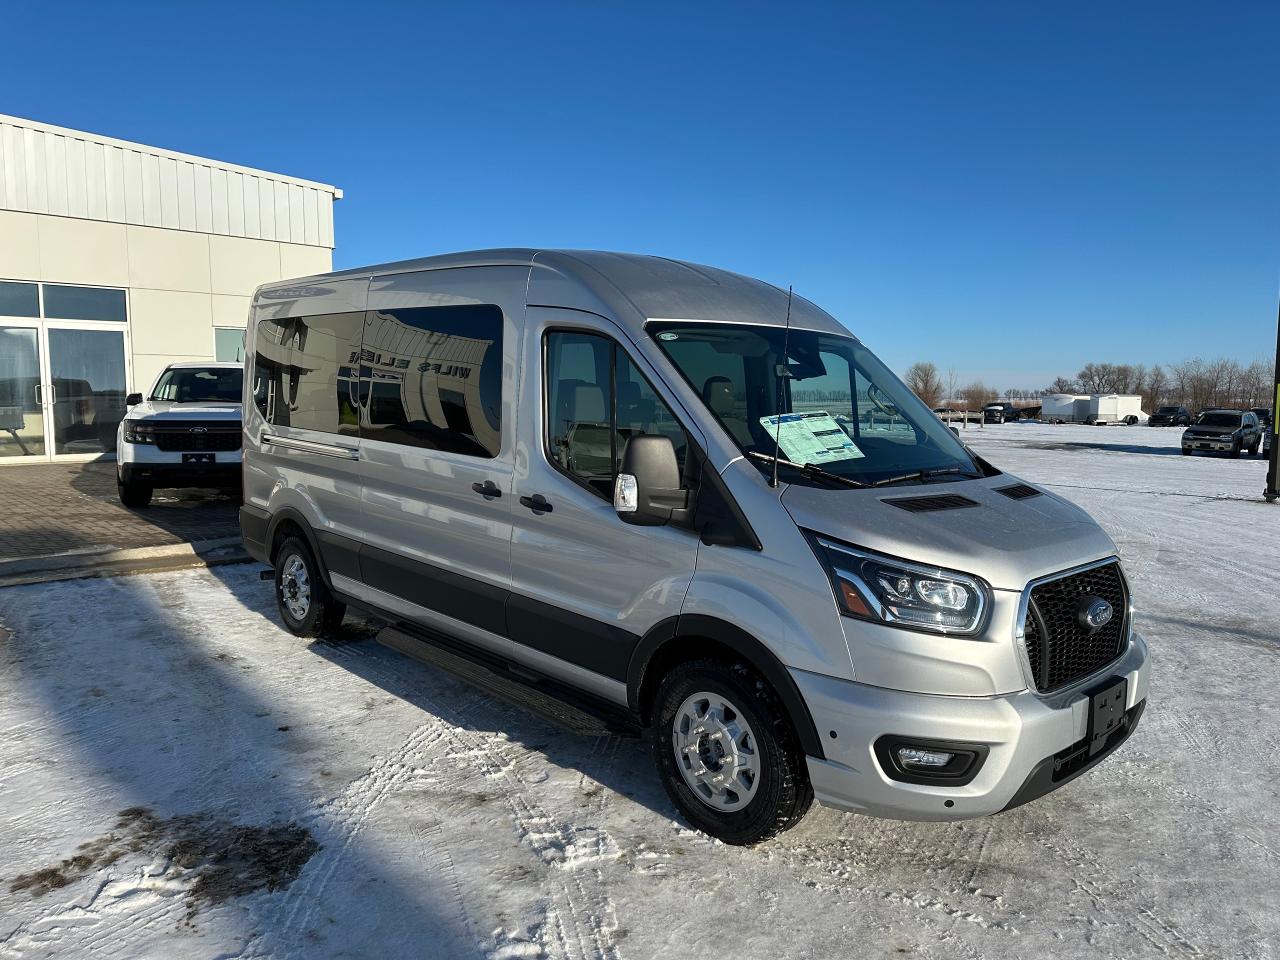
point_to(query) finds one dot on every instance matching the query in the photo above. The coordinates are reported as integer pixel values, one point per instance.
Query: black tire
(1235, 449)
(322, 614)
(1186, 452)
(133, 494)
(783, 793)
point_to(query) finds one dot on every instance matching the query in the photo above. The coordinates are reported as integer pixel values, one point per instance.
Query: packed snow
(179, 777)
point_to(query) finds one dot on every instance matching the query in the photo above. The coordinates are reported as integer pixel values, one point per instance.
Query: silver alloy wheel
(716, 751)
(295, 587)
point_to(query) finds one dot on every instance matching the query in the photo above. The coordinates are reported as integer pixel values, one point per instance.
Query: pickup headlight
(139, 431)
(871, 586)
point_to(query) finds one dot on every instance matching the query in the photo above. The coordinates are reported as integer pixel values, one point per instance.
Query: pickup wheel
(306, 606)
(133, 494)
(727, 754)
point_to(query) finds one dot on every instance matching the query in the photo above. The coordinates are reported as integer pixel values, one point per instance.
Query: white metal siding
(66, 173)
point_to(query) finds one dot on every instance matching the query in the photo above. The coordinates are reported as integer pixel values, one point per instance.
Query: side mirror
(647, 491)
(132, 399)
(955, 431)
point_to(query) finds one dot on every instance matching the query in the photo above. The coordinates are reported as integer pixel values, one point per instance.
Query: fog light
(920, 759)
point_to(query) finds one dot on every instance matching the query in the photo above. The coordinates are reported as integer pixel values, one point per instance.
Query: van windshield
(830, 403)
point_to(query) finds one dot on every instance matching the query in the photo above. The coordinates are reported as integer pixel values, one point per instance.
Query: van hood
(1004, 541)
(171, 410)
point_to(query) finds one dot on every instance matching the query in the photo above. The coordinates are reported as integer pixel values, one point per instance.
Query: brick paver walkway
(62, 507)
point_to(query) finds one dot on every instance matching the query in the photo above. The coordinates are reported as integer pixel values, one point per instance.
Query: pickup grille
(195, 436)
(1060, 649)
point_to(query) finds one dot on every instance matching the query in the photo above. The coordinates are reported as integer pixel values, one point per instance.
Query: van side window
(296, 372)
(432, 377)
(596, 401)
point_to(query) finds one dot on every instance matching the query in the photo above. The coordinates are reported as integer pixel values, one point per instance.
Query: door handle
(488, 489)
(537, 503)
(39, 395)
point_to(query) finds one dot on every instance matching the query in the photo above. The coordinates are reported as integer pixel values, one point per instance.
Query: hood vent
(1019, 491)
(943, 501)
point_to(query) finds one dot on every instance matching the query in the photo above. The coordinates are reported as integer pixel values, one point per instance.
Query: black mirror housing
(647, 490)
(132, 399)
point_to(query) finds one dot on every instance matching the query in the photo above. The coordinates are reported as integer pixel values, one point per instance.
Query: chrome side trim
(1020, 626)
(311, 446)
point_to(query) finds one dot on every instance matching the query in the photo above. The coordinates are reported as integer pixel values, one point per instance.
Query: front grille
(942, 501)
(1061, 650)
(209, 436)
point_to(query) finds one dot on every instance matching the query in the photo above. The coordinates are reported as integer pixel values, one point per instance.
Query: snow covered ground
(181, 778)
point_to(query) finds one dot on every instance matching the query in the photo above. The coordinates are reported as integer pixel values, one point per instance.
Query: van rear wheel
(306, 606)
(727, 754)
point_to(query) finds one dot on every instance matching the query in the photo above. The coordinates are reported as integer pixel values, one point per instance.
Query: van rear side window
(432, 377)
(296, 380)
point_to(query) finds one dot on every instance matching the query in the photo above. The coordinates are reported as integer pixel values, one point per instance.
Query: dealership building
(117, 259)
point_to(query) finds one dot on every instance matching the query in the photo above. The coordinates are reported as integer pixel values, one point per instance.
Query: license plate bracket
(198, 458)
(1106, 711)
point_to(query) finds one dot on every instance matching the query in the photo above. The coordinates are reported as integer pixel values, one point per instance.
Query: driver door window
(596, 401)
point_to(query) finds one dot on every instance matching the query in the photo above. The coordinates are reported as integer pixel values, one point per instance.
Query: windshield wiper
(810, 470)
(923, 475)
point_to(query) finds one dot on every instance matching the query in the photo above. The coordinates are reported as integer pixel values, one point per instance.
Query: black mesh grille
(214, 435)
(943, 501)
(1060, 648)
(1019, 491)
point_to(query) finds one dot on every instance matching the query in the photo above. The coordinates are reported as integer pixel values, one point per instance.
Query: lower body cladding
(1006, 750)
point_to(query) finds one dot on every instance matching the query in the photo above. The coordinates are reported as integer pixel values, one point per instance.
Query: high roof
(630, 287)
(54, 170)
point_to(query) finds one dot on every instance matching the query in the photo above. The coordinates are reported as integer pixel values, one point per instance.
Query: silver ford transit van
(682, 493)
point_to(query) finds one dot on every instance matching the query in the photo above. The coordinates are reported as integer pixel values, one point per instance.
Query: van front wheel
(727, 754)
(306, 606)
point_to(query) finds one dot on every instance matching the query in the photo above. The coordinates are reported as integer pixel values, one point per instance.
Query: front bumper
(170, 475)
(1196, 443)
(1025, 734)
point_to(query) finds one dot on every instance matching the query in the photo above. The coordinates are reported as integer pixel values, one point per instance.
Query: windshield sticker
(813, 437)
(668, 336)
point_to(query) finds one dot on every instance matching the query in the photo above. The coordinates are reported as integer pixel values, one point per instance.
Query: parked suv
(185, 434)
(739, 527)
(1225, 431)
(999, 413)
(1170, 417)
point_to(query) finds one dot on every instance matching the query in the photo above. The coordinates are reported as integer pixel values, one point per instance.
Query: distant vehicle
(185, 434)
(1170, 416)
(1264, 416)
(1111, 408)
(1223, 431)
(1265, 449)
(999, 413)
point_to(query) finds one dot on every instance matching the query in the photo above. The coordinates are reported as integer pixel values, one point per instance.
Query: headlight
(871, 586)
(139, 431)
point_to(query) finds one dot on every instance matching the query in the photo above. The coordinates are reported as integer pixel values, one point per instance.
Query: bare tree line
(1195, 384)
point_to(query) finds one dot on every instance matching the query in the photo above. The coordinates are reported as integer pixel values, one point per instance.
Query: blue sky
(1011, 190)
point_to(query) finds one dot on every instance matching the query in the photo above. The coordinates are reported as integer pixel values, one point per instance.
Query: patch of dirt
(221, 860)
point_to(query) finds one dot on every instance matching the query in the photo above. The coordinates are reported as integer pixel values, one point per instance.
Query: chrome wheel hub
(716, 751)
(295, 587)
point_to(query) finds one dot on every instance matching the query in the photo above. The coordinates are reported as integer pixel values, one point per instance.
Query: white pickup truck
(186, 433)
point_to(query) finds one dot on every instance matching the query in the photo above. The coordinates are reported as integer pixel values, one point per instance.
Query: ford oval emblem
(199, 429)
(1095, 613)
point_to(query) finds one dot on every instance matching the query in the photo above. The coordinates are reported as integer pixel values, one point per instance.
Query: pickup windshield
(200, 385)
(829, 403)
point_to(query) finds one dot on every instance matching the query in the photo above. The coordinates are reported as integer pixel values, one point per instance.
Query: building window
(19, 299)
(228, 344)
(84, 303)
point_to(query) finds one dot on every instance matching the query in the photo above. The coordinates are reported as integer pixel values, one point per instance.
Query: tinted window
(83, 303)
(1219, 419)
(298, 372)
(432, 377)
(19, 299)
(596, 401)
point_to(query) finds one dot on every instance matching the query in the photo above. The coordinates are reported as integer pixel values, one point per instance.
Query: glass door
(22, 394)
(87, 386)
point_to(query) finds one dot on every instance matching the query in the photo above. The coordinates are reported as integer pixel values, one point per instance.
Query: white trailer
(1115, 408)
